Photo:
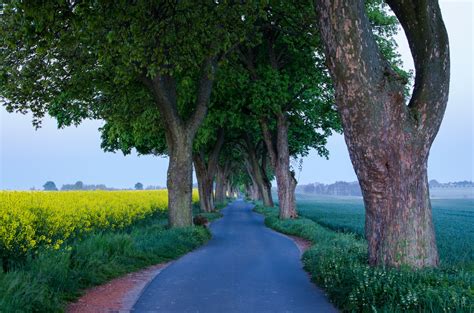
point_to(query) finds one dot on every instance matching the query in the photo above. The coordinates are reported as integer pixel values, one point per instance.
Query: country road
(245, 267)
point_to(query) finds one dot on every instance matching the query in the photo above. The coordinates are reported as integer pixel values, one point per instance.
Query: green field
(453, 219)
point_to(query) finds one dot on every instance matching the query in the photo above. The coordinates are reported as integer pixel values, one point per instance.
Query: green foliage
(77, 60)
(453, 220)
(285, 74)
(338, 263)
(45, 283)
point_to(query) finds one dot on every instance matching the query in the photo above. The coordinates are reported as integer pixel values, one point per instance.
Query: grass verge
(337, 262)
(47, 282)
(210, 216)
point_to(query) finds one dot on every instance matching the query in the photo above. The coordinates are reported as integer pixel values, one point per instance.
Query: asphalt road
(245, 267)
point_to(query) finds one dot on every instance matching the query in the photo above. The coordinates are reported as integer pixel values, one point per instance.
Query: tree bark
(180, 183)
(205, 181)
(253, 190)
(258, 173)
(221, 178)
(278, 151)
(389, 141)
(254, 194)
(205, 172)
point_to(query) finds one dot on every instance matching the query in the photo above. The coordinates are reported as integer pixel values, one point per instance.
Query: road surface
(245, 267)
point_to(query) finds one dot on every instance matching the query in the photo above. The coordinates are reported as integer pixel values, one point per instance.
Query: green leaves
(90, 59)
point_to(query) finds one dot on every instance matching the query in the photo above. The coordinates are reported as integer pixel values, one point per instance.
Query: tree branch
(352, 53)
(204, 93)
(268, 138)
(428, 40)
(214, 156)
(164, 92)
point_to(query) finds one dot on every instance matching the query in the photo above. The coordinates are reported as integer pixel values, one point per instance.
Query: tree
(50, 186)
(389, 140)
(119, 61)
(290, 91)
(139, 186)
(79, 185)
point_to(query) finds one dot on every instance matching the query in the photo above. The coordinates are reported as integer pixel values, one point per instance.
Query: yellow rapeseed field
(32, 219)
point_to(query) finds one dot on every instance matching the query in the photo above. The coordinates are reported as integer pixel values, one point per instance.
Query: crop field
(453, 219)
(47, 220)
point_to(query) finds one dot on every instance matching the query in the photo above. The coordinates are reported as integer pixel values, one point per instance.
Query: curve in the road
(245, 267)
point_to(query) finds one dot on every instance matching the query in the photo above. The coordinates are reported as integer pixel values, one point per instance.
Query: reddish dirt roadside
(118, 295)
(302, 244)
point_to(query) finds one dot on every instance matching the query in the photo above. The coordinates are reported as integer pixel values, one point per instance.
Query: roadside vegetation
(338, 263)
(44, 277)
(31, 221)
(45, 283)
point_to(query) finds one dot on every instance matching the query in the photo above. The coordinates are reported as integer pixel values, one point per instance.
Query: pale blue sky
(29, 158)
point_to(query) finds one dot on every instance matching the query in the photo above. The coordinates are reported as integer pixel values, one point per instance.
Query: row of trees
(79, 185)
(239, 89)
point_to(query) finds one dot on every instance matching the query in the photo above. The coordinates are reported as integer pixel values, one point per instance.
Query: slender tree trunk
(205, 182)
(389, 141)
(278, 150)
(220, 192)
(180, 183)
(228, 189)
(221, 178)
(258, 174)
(254, 193)
(205, 171)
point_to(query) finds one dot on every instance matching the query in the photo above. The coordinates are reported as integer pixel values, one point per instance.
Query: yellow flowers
(29, 220)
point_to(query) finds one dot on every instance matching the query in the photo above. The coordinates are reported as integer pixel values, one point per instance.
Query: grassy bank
(337, 263)
(46, 282)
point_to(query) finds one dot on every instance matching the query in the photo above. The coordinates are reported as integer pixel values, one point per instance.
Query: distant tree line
(339, 188)
(457, 184)
(342, 188)
(79, 185)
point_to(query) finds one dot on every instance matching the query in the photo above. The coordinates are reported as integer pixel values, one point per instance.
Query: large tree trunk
(258, 174)
(180, 183)
(278, 150)
(398, 225)
(389, 141)
(286, 184)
